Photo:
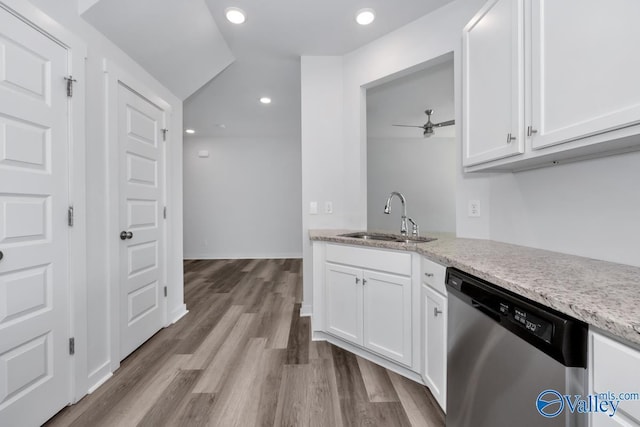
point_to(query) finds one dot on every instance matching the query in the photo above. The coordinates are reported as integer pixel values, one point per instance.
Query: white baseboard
(306, 310)
(99, 377)
(178, 314)
(294, 255)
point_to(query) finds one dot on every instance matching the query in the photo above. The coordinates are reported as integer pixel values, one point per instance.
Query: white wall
(243, 201)
(333, 119)
(589, 208)
(424, 170)
(401, 159)
(322, 157)
(97, 350)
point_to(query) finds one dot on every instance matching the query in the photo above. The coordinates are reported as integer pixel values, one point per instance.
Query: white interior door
(141, 235)
(35, 374)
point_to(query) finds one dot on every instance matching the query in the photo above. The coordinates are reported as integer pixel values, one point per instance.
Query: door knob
(126, 235)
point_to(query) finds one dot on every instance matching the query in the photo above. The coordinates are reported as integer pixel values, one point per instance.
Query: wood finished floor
(243, 357)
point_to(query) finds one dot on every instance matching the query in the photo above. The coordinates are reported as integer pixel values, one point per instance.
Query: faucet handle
(415, 228)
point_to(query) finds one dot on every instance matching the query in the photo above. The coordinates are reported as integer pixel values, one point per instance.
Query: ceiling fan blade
(447, 123)
(409, 126)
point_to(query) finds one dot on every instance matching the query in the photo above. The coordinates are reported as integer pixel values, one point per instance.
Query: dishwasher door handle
(486, 310)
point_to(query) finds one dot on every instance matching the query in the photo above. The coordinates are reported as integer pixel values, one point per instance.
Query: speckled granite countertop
(601, 293)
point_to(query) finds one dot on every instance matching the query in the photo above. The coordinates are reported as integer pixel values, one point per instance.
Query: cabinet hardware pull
(510, 138)
(364, 281)
(531, 131)
(357, 280)
(436, 311)
(428, 274)
(1, 255)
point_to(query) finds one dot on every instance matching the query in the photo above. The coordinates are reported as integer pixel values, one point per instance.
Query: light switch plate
(313, 208)
(328, 207)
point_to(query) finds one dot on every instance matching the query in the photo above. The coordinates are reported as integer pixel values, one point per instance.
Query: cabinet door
(387, 315)
(493, 83)
(343, 302)
(585, 68)
(614, 369)
(434, 326)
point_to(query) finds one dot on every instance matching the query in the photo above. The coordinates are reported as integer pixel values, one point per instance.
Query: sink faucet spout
(387, 210)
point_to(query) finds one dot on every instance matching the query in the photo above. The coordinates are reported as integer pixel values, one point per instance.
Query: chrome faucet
(403, 223)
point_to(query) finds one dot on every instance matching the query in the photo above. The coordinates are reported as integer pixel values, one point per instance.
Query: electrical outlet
(328, 207)
(474, 208)
(313, 208)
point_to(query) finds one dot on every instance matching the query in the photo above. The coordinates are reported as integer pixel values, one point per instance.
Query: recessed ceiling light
(190, 131)
(265, 100)
(235, 15)
(221, 125)
(365, 16)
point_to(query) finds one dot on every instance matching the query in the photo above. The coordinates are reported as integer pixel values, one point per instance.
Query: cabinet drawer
(433, 275)
(381, 260)
(616, 368)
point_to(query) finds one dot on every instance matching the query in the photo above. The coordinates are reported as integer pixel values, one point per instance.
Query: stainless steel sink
(365, 235)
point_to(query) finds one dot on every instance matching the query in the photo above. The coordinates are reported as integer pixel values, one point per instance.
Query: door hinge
(70, 216)
(70, 81)
(72, 346)
(165, 291)
(164, 133)
(164, 212)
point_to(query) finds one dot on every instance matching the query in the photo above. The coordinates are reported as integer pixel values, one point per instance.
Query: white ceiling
(181, 44)
(320, 27)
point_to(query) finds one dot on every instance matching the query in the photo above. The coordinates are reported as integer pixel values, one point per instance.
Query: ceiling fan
(428, 127)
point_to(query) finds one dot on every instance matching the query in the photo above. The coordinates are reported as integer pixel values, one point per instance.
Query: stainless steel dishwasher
(506, 356)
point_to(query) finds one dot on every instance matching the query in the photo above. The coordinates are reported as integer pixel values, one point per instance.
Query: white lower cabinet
(614, 369)
(370, 309)
(343, 302)
(387, 315)
(434, 330)
(434, 370)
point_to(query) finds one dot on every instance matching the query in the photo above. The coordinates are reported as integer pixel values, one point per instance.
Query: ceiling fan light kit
(428, 127)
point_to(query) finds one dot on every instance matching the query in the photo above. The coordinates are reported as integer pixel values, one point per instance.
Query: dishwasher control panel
(533, 324)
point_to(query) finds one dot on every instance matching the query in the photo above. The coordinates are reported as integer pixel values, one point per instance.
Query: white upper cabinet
(493, 82)
(585, 68)
(558, 76)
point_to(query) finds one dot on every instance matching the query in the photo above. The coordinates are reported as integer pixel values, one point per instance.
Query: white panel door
(493, 83)
(35, 374)
(141, 229)
(387, 315)
(343, 302)
(585, 68)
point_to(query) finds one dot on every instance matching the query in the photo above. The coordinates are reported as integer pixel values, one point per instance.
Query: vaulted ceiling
(222, 69)
(176, 41)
